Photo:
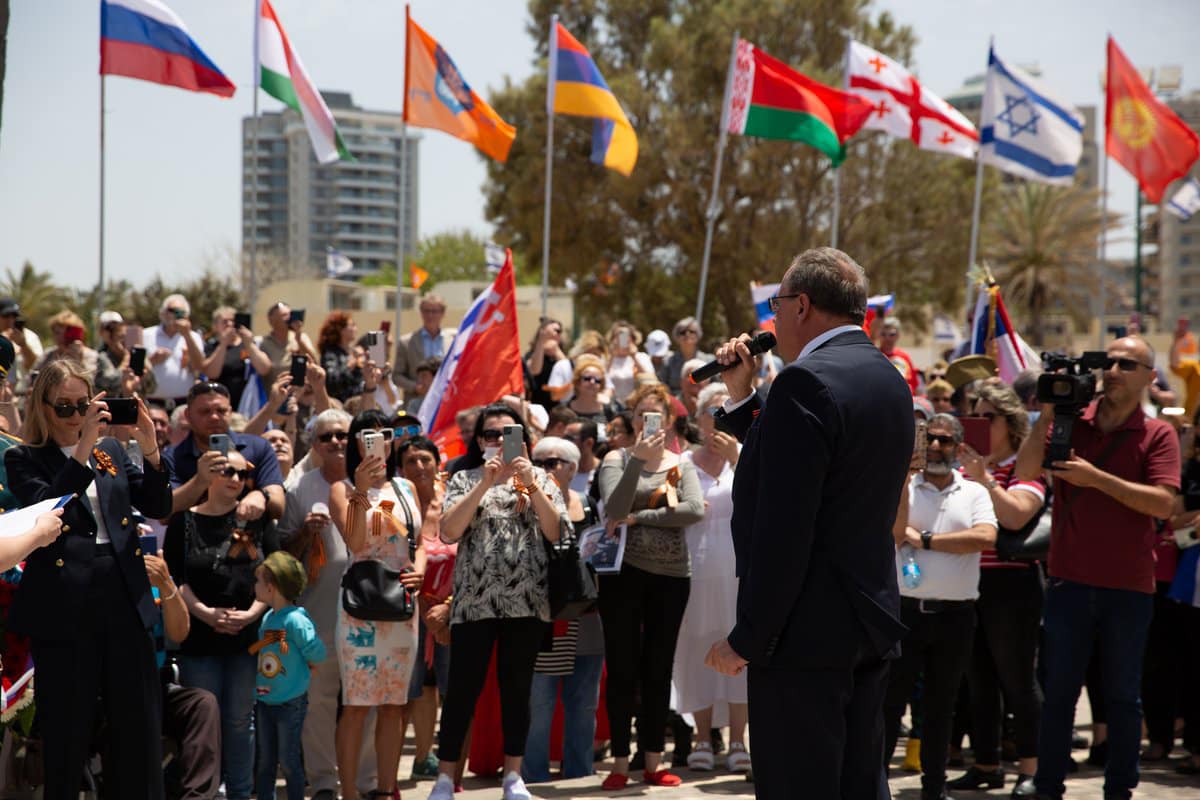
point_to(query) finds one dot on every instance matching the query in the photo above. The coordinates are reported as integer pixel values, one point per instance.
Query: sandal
(701, 758)
(738, 760)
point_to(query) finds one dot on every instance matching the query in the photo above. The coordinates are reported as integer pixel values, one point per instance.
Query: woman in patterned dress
(499, 513)
(377, 514)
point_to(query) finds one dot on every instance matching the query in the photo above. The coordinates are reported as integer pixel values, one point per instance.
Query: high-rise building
(300, 208)
(1179, 241)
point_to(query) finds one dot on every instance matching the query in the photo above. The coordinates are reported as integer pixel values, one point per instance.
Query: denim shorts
(441, 666)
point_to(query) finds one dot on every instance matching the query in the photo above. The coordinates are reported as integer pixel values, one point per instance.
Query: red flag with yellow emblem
(1141, 132)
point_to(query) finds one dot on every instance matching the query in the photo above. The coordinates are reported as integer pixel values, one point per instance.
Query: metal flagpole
(100, 287)
(973, 249)
(254, 165)
(402, 256)
(551, 73)
(1103, 250)
(837, 206)
(714, 208)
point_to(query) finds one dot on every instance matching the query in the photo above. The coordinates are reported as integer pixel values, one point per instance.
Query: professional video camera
(1069, 385)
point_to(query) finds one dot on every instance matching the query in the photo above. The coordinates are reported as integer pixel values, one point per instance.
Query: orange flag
(417, 276)
(436, 96)
(1141, 132)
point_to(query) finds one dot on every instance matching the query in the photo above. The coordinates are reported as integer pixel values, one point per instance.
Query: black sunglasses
(592, 379)
(329, 436)
(550, 463)
(942, 439)
(1124, 364)
(230, 472)
(207, 387)
(492, 435)
(67, 410)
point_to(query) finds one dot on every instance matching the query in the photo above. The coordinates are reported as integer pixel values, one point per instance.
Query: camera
(1068, 384)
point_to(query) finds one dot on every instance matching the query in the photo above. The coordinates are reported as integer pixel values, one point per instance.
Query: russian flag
(993, 325)
(760, 295)
(144, 39)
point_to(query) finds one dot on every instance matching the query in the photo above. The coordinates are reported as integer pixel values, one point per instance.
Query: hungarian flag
(281, 74)
(770, 100)
(1141, 132)
(437, 96)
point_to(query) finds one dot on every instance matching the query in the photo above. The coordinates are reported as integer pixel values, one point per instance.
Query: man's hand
(740, 379)
(159, 355)
(724, 659)
(1076, 471)
(912, 538)
(253, 505)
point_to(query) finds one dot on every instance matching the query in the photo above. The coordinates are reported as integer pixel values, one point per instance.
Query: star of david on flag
(1186, 200)
(1026, 130)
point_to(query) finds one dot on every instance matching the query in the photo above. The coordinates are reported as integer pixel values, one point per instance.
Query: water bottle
(909, 568)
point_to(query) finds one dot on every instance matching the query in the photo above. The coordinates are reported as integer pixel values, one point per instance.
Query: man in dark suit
(815, 496)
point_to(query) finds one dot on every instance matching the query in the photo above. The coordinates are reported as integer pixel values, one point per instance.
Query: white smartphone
(373, 445)
(377, 347)
(514, 443)
(623, 339)
(651, 423)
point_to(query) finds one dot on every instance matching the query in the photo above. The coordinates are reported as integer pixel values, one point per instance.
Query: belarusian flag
(282, 75)
(770, 100)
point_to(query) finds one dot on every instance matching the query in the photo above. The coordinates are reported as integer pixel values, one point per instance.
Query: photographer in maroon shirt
(1122, 475)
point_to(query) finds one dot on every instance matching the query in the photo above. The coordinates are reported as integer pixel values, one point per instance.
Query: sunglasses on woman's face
(232, 472)
(68, 410)
(550, 463)
(592, 379)
(329, 436)
(494, 435)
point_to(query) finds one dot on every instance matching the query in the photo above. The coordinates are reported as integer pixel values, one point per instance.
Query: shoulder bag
(571, 580)
(371, 590)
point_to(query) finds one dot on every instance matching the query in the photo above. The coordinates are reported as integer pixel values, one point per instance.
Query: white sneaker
(514, 787)
(443, 789)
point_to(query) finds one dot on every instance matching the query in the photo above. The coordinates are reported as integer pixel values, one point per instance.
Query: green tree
(37, 294)
(666, 61)
(455, 255)
(1041, 240)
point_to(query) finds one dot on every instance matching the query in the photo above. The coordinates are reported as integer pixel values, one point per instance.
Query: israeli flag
(336, 264)
(1186, 201)
(1026, 130)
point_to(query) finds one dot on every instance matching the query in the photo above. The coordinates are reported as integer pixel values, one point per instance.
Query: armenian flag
(144, 39)
(576, 87)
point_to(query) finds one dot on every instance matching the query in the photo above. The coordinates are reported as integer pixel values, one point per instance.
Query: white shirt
(173, 379)
(961, 505)
(93, 498)
(622, 373)
(730, 406)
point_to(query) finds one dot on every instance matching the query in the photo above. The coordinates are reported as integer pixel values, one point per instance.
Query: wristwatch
(926, 540)
(990, 484)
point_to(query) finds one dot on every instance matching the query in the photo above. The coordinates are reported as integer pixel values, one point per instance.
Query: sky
(173, 157)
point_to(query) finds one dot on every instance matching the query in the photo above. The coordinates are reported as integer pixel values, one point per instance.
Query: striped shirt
(1004, 474)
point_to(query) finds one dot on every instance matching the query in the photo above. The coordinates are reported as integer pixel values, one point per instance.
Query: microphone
(758, 345)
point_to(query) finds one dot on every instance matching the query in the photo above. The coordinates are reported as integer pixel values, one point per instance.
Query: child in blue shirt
(287, 648)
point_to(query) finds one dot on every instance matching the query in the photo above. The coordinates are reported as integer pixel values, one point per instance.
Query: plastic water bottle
(910, 569)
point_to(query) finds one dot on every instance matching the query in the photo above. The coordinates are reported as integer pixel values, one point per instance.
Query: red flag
(1141, 132)
(482, 365)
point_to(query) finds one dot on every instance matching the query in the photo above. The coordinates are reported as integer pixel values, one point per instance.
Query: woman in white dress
(712, 605)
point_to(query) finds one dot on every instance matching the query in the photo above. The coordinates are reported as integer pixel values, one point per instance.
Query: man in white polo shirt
(944, 522)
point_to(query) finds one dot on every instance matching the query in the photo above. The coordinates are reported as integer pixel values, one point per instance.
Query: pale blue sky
(173, 156)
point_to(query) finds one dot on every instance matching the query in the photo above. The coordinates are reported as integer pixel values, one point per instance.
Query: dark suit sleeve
(738, 422)
(27, 479)
(149, 488)
(798, 431)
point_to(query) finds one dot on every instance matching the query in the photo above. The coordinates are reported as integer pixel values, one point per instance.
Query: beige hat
(962, 371)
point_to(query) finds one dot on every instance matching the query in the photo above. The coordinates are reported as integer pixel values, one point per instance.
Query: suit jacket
(54, 587)
(410, 351)
(815, 497)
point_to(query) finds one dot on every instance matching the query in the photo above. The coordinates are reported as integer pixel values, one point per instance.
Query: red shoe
(458, 787)
(661, 778)
(615, 782)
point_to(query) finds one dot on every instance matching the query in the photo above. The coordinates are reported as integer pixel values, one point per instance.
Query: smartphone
(373, 444)
(299, 370)
(241, 319)
(133, 336)
(219, 442)
(377, 347)
(623, 339)
(178, 313)
(73, 333)
(1173, 411)
(651, 423)
(920, 447)
(19, 324)
(124, 410)
(137, 361)
(297, 315)
(386, 326)
(149, 545)
(514, 442)
(977, 433)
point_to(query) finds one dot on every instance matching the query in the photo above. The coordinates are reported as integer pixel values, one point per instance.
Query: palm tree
(37, 294)
(1041, 240)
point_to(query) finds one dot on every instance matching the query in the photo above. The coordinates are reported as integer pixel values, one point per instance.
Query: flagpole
(837, 205)
(100, 287)
(254, 165)
(1103, 249)
(551, 73)
(973, 248)
(710, 213)
(404, 181)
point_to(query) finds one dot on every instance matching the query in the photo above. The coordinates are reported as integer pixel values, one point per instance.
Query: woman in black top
(84, 599)
(212, 555)
(343, 374)
(545, 351)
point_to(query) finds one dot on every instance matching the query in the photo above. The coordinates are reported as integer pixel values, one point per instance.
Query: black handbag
(1031, 543)
(572, 580)
(372, 590)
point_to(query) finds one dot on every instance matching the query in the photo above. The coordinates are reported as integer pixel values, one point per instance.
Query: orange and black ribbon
(104, 461)
(274, 636)
(243, 541)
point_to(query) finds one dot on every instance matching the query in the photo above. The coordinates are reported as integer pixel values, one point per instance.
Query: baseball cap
(288, 573)
(921, 406)
(657, 343)
(9, 306)
(110, 318)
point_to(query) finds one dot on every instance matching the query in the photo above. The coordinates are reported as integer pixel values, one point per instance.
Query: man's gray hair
(332, 416)
(556, 447)
(947, 421)
(833, 281)
(178, 300)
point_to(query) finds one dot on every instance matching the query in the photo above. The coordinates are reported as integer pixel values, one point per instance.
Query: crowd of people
(286, 585)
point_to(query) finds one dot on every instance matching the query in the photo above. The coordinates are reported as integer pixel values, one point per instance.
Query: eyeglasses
(493, 435)
(207, 387)
(592, 379)
(940, 439)
(329, 436)
(67, 410)
(773, 301)
(408, 430)
(688, 332)
(550, 463)
(1124, 364)
(386, 433)
(231, 472)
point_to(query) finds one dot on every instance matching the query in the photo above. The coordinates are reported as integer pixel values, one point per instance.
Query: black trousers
(1009, 612)
(938, 646)
(819, 733)
(110, 656)
(1163, 676)
(641, 613)
(1189, 634)
(193, 719)
(517, 642)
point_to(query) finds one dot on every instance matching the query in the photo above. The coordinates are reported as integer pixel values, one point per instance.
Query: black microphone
(758, 345)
